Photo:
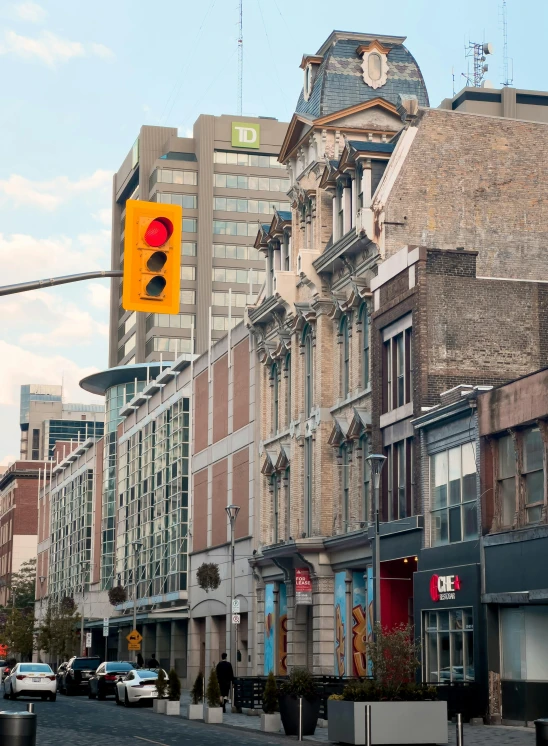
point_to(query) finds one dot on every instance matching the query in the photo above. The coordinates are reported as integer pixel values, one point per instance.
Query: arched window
(275, 488)
(345, 357)
(288, 388)
(345, 482)
(275, 398)
(287, 483)
(308, 370)
(364, 319)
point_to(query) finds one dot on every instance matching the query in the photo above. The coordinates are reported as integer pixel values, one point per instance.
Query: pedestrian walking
(152, 662)
(225, 676)
(140, 660)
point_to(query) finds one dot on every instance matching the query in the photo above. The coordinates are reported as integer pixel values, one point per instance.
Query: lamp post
(232, 513)
(85, 566)
(376, 462)
(136, 549)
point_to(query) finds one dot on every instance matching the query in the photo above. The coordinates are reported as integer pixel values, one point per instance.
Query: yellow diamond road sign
(134, 637)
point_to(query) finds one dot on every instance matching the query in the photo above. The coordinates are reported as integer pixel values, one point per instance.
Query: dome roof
(338, 80)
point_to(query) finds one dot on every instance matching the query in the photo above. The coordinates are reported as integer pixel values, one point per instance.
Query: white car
(31, 680)
(136, 686)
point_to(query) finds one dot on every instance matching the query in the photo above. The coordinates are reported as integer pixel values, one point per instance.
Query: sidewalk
(477, 735)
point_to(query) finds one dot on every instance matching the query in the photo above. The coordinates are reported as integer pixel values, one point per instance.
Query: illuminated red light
(158, 232)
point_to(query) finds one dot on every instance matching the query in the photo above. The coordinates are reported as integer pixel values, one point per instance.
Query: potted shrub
(213, 712)
(173, 704)
(196, 707)
(159, 704)
(270, 718)
(299, 687)
(402, 712)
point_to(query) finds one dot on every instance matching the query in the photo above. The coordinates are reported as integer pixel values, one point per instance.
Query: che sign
(235, 605)
(303, 587)
(88, 639)
(443, 587)
(235, 619)
(246, 135)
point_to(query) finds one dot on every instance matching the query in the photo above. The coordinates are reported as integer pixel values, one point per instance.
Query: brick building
(18, 519)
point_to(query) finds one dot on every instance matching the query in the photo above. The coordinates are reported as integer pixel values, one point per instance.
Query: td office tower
(228, 180)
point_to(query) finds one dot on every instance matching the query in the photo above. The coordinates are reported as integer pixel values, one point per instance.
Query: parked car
(4, 669)
(32, 680)
(60, 673)
(103, 682)
(136, 686)
(77, 674)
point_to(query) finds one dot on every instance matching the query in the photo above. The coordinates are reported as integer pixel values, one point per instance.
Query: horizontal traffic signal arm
(22, 287)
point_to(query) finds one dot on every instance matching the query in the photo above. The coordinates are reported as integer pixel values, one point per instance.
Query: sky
(79, 79)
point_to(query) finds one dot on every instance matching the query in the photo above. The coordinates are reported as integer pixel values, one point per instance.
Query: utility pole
(376, 461)
(241, 58)
(232, 513)
(136, 549)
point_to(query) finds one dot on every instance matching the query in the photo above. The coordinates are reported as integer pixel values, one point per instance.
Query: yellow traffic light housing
(152, 257)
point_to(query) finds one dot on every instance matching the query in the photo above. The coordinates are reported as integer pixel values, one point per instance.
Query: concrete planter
(271, 723)
(391, 722)
(196, 712)
(213, 714)
(173, 708)
(159, 706)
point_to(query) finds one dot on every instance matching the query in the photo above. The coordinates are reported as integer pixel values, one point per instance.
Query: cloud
(39, 258)
(30, 12)
(99, 296)
(49, 320)
(48, 195)
(24, 366)
(104, 216)
(49, 48)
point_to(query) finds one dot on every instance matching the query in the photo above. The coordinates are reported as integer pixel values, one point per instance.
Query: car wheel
(91, 695)
(13, 695)
(43, 697)
(6, 695)
(101, 695)
(52, 697)
(116, 697)
(127, 703)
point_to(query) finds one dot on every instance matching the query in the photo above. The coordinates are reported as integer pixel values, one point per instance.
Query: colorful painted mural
(269, 630)
(340, 623)
(282, 630)
(370, 613)
(359, 625)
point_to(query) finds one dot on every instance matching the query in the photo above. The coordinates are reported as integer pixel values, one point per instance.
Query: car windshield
(148, 674)
(34, 668)
(85, 664)
(122, 666)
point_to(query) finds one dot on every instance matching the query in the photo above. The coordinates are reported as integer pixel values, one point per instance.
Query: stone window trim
(521, 506)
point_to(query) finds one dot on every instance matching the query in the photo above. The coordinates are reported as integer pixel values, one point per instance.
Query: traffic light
(152, 257)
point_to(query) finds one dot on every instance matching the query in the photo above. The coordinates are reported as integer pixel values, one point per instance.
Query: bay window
(454, 495)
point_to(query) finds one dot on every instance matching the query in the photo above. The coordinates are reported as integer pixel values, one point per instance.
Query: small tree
(197, 692)
(161, 684)
(208, 576)
(213, 692)
(58, 634)
(394, 656)
(17, 632)
(174, 687)
(23, 585)
(270, 695)
(117, 595)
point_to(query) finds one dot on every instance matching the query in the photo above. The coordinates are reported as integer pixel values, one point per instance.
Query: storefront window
(449, 646)
(524, 643)
(454, 495)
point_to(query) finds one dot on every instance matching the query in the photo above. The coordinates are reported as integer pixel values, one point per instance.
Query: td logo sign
(246, 135)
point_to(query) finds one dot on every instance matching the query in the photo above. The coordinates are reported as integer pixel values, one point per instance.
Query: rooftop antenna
(508, 80)
(478, 52)
(241, 57)
(453, 76)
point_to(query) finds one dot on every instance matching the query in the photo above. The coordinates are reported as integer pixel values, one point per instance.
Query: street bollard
(300, 719)
(17, 728)
(460, 736)
(30, 707)
(367, 725)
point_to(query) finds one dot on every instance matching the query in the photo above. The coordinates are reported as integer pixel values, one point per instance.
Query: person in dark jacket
(225, 675)
(140, 660)
(152, 662)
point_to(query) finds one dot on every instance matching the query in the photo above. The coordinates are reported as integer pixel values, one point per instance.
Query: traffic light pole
(38, 284)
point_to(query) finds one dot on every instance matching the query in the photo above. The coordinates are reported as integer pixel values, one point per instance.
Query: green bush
(174, 688)
(270, 695)
(161, 683)
(197, 692)
(372, 691)
(213, 692)
(299, 684)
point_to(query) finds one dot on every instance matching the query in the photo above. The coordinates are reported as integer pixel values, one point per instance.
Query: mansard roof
(339, 81)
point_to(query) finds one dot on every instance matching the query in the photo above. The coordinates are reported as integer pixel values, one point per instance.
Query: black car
(78, 673)
(103, 681)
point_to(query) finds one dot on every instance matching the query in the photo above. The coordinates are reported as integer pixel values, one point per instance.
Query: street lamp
(85, 567)
(136, 549)
(41, 578)
(232, 513)
(376, 462)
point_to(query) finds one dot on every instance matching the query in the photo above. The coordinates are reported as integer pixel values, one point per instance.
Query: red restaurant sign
(443, 587)
(303, 586)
